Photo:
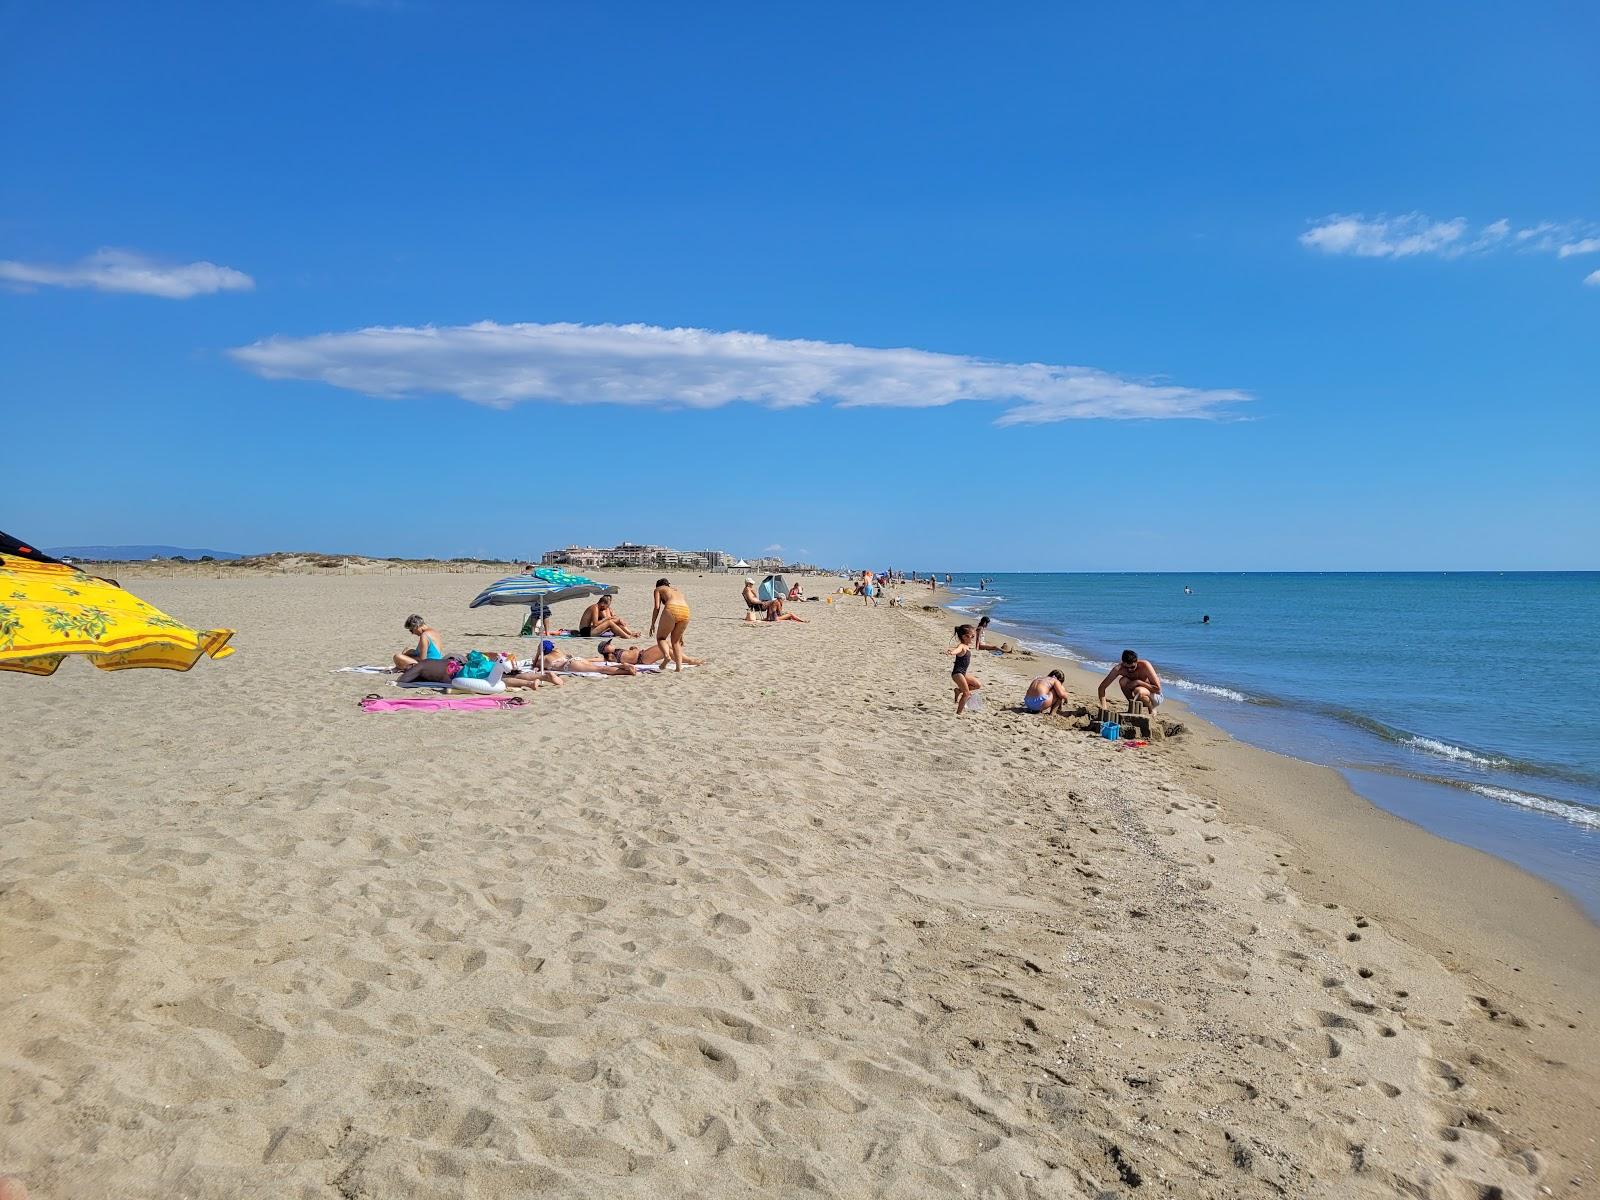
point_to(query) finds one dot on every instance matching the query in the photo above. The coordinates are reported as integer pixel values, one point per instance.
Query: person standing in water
(961, 676)
(669, 619)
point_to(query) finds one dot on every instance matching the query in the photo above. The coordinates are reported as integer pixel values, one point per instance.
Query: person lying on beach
(637, 656)
(427, 644)
(669, 619)
(1138, 680)
(965, 683)
(529, 679)
(599, 621)
(983, 628)
(561, 663)
(773, 611)
(1046, 694)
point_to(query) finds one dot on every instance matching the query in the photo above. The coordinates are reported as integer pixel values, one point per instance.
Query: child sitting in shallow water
(960, 673)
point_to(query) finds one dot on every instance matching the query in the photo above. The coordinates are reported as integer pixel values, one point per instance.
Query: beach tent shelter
(50, 609)
(772, 588)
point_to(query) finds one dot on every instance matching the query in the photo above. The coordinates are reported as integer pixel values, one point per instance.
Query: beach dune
(779, 926)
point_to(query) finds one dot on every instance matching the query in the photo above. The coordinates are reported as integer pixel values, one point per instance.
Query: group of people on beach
(426, 661)
(756, 609)
(1135, 676)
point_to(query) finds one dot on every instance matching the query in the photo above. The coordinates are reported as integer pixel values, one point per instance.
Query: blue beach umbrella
(538, 590)
(543, 586)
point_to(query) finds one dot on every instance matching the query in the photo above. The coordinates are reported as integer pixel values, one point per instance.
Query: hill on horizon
(133, 553)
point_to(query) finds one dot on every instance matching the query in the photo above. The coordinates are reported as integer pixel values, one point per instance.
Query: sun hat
(749, 578)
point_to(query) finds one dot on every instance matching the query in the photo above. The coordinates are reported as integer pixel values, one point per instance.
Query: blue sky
(1052, 288)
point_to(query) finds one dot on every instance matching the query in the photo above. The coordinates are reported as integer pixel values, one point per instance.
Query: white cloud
(772, 549)
(1386, 237)
(650, 366)
(1592, 278)
(1414, 233)
(125, 271)
(1588, 245)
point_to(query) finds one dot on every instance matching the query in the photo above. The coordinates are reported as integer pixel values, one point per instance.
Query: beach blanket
(366, 670)
(436, 703)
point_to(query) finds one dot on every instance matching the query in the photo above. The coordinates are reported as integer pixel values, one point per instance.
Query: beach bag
(477, 666)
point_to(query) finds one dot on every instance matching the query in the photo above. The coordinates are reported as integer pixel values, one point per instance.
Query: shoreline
(1244, 764)
(778, 925)
(1519, 939)
(1450, 809)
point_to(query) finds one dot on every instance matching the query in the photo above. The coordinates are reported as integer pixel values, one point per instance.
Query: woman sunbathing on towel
(554, 660)
(599, 621)
(639, 656)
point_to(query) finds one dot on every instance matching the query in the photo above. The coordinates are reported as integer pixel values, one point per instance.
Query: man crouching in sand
(1138, 680)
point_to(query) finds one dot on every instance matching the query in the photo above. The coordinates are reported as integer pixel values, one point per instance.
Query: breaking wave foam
(1211, 689)
(1576, 813)
(1454, 753)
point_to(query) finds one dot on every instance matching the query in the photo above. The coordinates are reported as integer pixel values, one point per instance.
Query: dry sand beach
(779, 926)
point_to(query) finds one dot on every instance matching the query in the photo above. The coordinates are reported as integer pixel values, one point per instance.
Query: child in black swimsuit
(965, 684)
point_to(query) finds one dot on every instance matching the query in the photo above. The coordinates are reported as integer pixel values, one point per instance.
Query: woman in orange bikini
(669, 617)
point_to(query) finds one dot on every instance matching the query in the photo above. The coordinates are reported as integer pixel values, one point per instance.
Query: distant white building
(635, 554)
(574, 556)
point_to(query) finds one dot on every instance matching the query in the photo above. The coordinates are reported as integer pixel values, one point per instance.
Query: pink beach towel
(434, 703)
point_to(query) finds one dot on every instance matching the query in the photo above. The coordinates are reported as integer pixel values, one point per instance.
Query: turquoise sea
(1468, 703)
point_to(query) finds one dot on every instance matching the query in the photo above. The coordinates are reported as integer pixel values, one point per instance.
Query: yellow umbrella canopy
(50, 609)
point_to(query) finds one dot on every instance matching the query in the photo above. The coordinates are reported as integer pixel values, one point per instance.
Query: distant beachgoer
(1138, 680)
(635, 656)
(598, 620)
(774, 612)
(983, 628)
(794, 591)
(961, 672)
(753, 603)
(427, 644)
(1206, 620)
(1048, 693)
(669, 619)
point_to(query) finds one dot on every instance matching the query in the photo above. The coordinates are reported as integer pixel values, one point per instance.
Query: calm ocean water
(1468, 703)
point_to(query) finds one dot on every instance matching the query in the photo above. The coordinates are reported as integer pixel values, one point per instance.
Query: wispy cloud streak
(651, 366)
(1414, 234)
(126, 271)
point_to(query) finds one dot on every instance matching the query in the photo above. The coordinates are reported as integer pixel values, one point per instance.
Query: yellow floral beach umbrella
(50, 609)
